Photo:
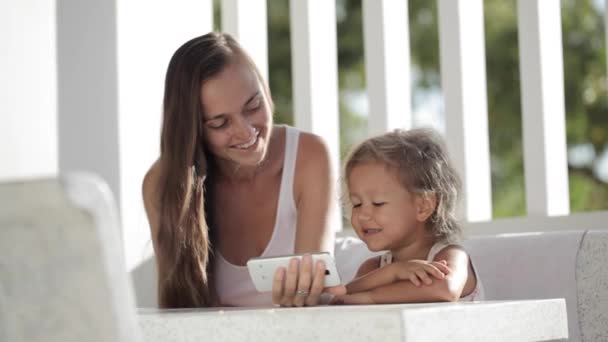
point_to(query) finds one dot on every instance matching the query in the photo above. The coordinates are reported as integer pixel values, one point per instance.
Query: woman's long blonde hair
(423, 167)
(184, 239)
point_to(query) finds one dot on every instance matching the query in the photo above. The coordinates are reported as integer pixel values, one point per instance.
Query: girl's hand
(350, 299)
(419, 272)
(298, 286)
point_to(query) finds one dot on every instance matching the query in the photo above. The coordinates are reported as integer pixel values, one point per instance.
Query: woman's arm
(315, 197)
(150, 193)
(151, 202)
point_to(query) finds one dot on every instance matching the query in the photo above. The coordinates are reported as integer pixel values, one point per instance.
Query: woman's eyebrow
(219, 116)
(251, 98)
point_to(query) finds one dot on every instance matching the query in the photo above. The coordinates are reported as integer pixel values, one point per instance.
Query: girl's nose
(364, 214)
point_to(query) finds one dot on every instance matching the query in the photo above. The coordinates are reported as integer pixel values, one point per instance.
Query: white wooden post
(463, 79)
(542, 95)
(112, 59)
(315, 73)
(387, 64)
(28, 90)
(246, 21)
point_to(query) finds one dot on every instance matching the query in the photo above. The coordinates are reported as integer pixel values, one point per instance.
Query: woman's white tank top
(232, 282)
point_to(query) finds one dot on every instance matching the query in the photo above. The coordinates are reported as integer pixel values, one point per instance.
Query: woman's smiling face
(237, 116)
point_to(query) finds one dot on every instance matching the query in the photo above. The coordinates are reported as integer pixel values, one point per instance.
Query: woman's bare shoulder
(313, 151)
(150, 193)
(313, 161)
(151, 181)
(312, 144)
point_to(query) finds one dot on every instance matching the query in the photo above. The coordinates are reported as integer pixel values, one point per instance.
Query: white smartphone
(262, 269)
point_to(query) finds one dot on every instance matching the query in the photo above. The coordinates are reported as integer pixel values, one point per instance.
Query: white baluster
(246, 20)
(463, 79)
(387, 64)
(315, 73)
(28, 90)
(543, 113)
(112, 59)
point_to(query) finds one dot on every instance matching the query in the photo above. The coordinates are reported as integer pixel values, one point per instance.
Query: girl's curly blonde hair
(421, 162)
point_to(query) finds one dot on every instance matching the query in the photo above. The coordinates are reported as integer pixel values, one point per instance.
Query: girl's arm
(415, 271)
(368, 266)
(316, 204)
(459, 281)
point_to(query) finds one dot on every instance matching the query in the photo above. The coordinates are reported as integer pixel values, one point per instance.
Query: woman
(230, 185)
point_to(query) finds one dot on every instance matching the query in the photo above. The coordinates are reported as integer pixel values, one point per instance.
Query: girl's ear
(425, 206)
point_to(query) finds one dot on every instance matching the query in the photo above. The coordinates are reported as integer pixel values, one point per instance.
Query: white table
(525, 320)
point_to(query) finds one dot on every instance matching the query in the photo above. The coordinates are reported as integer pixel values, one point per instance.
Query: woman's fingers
(277, 285)
(304, 281)
(318, 283)
(291, 282)
(301, 283)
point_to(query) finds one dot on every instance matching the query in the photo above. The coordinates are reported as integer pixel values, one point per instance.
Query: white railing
(463, 75)
(387, 64)
(110, 66)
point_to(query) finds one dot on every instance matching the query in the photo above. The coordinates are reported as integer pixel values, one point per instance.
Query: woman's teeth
(249, 143)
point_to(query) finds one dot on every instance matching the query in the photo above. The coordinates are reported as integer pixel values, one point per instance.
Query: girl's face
(385, 215)
(238, 120)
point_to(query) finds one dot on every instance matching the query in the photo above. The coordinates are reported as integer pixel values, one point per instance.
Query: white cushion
(529, 266)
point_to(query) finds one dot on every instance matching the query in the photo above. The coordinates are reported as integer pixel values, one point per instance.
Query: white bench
(571, 265)
(62, 271)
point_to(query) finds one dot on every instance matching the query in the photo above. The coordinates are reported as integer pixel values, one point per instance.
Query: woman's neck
(228, 171)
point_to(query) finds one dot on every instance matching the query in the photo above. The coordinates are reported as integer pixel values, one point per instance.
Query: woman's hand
(299, 286)
(420, 272)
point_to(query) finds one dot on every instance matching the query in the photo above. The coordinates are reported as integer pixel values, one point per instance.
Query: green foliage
(585, 86)
(279, 59)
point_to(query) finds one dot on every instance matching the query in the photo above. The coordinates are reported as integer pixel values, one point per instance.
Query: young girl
(403, 193)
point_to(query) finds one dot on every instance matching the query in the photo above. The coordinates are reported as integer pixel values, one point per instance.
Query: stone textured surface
(592, 284)
(493, 321)
(482, 321)
(61, 278)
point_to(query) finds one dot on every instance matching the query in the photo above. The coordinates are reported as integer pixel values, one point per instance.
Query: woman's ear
(426, 203)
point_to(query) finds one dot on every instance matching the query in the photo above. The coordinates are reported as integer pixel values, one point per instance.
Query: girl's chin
(371, 246)
(375, 248)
